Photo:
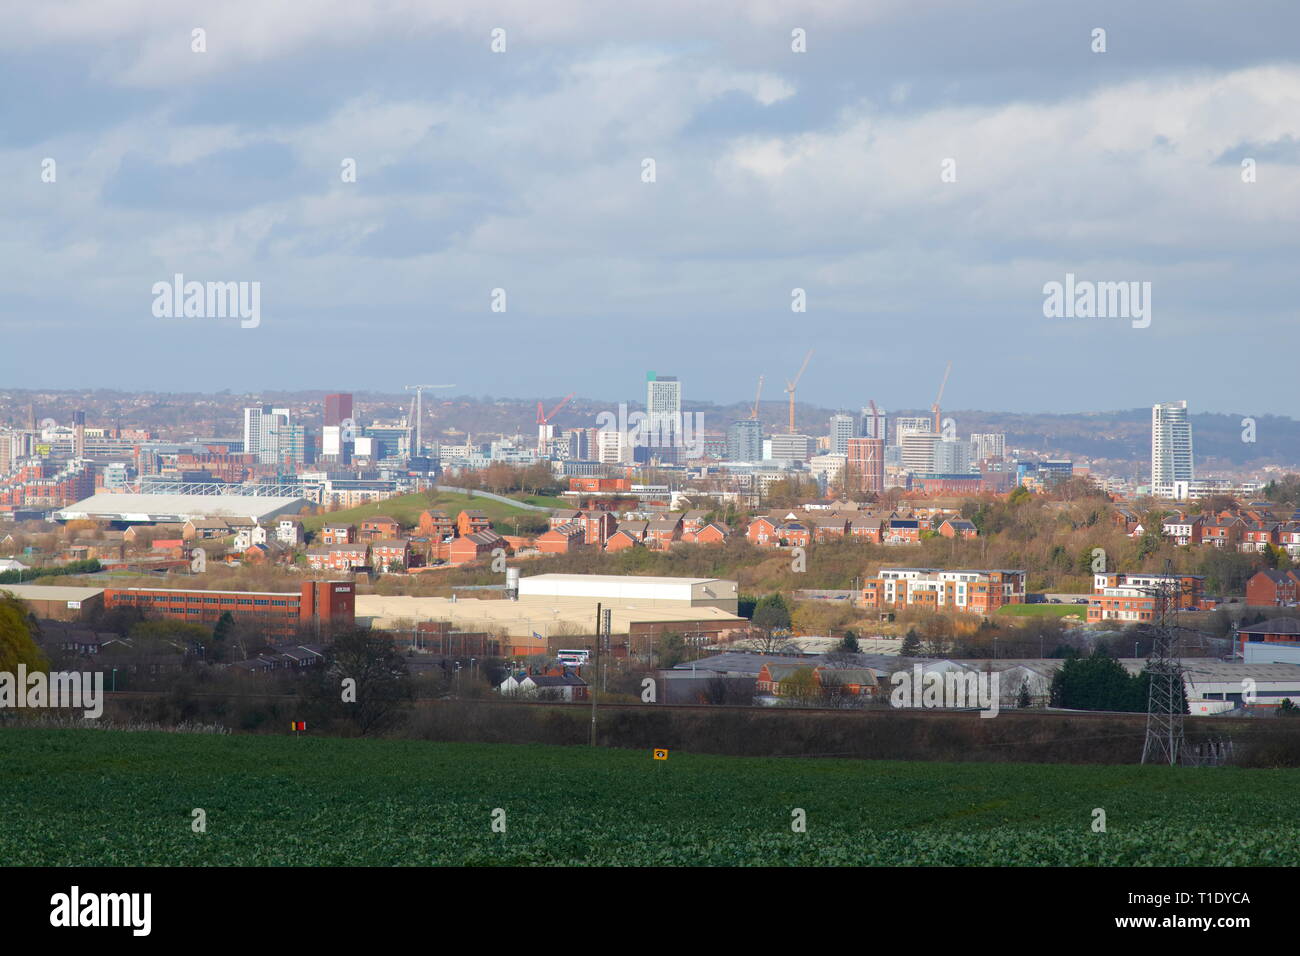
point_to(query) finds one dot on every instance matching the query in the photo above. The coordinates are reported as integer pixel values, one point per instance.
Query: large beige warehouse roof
(523, 618)
(632, 589)
(179, 508)
(43, 592)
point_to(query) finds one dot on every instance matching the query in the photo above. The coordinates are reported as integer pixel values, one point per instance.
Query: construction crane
(877, 422)
(419, 414)
(545, 430)
(934, 409)
(791, 386)
(753, 415)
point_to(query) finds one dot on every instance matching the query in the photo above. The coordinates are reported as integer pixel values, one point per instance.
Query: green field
(103, 797)
(406, 509)
(1045, 610)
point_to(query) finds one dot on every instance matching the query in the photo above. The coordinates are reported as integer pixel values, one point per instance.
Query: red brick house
(471, 521)
(958, 528)
(795, 534)
(380, 526)
(629, 534)
(693, 523)
(866, 528)
(1221, 532)
(564, 516)
(474, 547)
(662, 532)
(338, 534)
(901, 531)
(436, 524)
(1288, 536)
(598, 525)
(391, 552)
(1272, 588)
(762, 532)
(1184, 529)
(823, 528)
(715, 532)
(562, 539)
(338, 557)
(1258, 535)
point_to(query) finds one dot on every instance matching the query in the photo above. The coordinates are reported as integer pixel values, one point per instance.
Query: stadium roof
(178, 508)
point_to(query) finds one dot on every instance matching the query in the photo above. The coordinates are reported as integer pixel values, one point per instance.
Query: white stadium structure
(159, 509)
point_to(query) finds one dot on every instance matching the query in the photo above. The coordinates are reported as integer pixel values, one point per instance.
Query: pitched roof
(1278, 625)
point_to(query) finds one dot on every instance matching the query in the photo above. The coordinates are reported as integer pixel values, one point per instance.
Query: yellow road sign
(661, 755)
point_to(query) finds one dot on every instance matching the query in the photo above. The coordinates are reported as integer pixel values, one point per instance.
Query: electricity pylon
(1164, 740)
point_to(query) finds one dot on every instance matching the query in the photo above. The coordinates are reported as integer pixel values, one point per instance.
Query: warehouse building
(58, 603)
(628, 590)
(178, 509)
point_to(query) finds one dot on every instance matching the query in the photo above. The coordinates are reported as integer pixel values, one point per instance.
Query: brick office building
(322, 605)
(976, 592)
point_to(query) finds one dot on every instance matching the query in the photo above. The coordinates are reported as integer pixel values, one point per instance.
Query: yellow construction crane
(753, 415)
(791, 386)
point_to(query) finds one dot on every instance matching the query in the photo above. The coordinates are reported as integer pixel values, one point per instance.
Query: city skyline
(473, 196)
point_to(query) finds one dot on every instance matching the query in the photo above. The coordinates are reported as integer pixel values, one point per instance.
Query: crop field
(109, 797)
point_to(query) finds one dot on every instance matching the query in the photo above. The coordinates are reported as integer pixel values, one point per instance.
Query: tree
(911, 644)
(1023, 699)
(219, 646)
(772, 612)
(849, 643)
(800, 688)
(1098, 682)
(671, 649)
(382, 683)
(17, 639)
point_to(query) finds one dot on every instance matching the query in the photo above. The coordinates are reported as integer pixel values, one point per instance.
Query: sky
(923, 171)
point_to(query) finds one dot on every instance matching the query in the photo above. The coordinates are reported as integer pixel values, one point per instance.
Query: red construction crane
(545, 430)
(545, 419)
(935, 407)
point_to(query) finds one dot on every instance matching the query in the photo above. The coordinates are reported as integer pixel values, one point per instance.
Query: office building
(790, 447)
(918, 452)
(865, 467)
(904, 426)
(745, 440)
(1171, 447)
(974, 591)
(988, 445)
(842, 429)
(261, 432)
(338, 408)
(952, 457)
(873, 423)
